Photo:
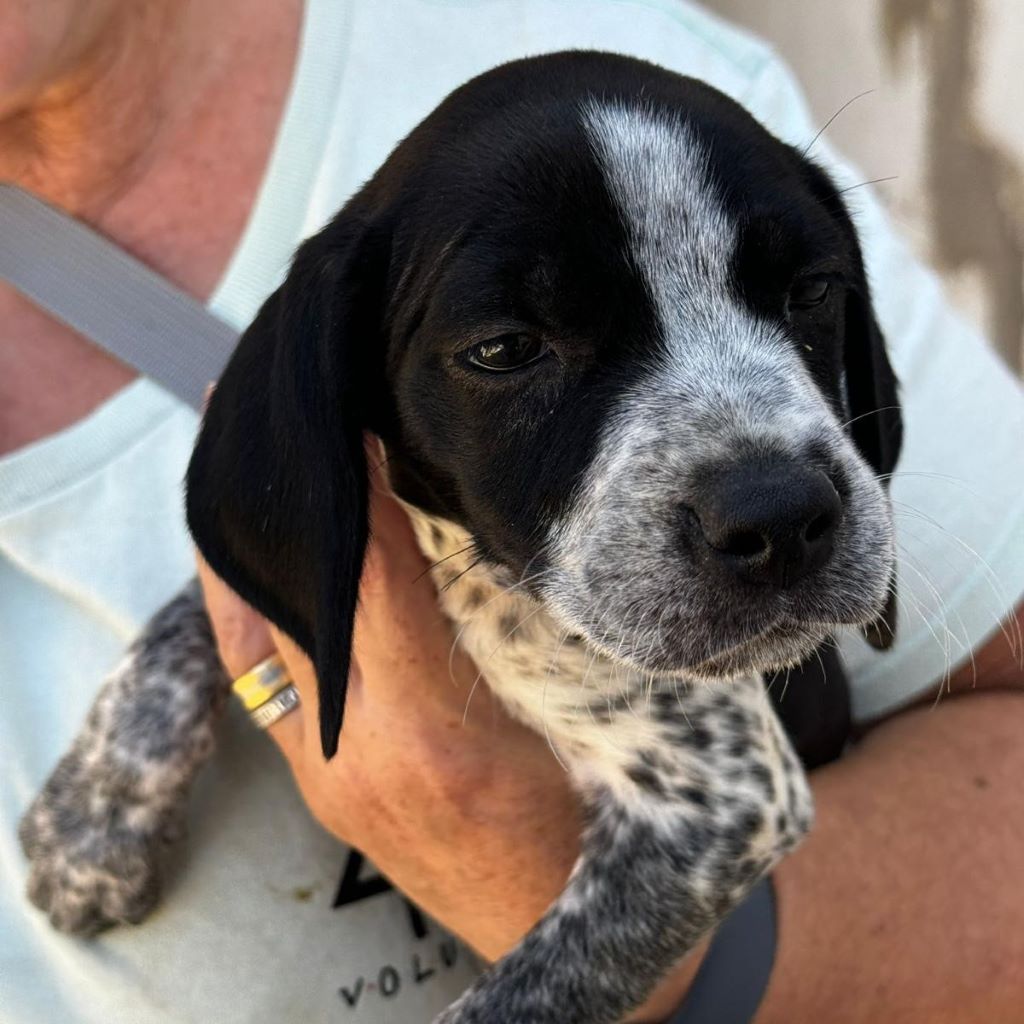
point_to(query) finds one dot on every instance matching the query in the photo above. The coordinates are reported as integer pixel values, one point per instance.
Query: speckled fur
(726, 384)
(97, 832)
(691, 790)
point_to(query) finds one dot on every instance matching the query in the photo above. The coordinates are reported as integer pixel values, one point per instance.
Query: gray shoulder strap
(110, 297)
(734, 974)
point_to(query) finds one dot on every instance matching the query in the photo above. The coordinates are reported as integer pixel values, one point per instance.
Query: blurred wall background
(945, 117)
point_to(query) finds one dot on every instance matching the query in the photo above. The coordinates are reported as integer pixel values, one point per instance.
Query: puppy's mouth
(740, 641)
(779, 647)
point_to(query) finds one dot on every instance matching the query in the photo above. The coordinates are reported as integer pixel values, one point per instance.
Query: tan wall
(946, 117)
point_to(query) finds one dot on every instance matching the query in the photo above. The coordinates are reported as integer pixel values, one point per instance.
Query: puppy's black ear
(876, 423)
(277, 486)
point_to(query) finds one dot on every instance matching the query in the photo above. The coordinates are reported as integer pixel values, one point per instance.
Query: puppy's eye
(808, 291)
(509, 352)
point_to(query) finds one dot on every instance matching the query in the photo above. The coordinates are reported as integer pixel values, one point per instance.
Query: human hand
(466, 811)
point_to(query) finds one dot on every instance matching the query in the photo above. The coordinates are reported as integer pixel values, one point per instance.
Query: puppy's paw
(94, 860)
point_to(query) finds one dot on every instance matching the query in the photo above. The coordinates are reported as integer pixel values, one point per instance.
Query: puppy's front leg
(677, 835)
(96, 832)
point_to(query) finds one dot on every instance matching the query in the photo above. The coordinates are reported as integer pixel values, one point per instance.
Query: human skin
(902, 905)
(122, 113)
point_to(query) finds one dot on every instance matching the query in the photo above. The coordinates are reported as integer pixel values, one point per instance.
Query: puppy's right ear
(276, 494)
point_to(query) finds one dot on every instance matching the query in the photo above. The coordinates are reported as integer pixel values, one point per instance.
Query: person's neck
(131, 125)
(86, 135)
(157, 133)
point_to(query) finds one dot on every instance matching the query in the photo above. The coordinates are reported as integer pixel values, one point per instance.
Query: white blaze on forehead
(659, 175)
(716, 354)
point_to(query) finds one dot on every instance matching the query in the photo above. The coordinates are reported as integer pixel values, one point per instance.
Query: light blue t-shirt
(92, 541)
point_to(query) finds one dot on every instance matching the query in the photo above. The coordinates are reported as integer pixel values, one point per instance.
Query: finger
(393, 549)
(396, 577)
(297, 662)
(402, 637)
(289, 733)
(299, 730)
(291, 730)
(243, 638)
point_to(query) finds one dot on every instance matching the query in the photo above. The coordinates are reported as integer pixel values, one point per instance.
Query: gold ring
(261, 683)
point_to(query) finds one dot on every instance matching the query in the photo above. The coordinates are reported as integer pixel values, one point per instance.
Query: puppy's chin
(781, 647)
(775, 648)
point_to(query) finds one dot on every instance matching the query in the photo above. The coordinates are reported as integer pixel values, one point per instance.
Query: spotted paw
(94, 859)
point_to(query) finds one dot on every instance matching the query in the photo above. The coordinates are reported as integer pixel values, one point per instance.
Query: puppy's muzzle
(766, 521)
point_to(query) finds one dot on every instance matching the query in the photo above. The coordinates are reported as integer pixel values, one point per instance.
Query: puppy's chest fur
(545, 676)
(659, 746)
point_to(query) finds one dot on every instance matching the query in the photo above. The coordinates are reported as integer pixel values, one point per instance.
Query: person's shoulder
(464, 34)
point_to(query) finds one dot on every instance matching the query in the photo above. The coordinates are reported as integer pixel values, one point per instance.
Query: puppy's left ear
(876, 423)
(277, 487)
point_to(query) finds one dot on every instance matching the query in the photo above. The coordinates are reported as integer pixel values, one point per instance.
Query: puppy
(618, 345)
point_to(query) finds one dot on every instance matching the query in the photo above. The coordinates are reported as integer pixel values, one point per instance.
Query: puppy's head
(613, 328)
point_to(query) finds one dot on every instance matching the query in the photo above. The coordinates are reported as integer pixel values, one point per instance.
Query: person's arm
(903, 904)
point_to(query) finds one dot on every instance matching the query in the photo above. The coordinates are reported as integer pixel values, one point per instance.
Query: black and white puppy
(617, 343)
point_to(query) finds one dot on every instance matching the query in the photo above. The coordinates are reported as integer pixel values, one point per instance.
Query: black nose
(769, 521)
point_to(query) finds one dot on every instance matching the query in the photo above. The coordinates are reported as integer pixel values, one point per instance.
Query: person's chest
(184, 217)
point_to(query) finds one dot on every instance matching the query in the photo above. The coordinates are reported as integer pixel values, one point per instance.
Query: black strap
(110, 297)
(733, 976)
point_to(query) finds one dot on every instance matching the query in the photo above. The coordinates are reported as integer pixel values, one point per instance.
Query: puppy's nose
(770, 521)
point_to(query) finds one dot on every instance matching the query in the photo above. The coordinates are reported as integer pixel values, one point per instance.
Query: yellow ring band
(261, 683)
